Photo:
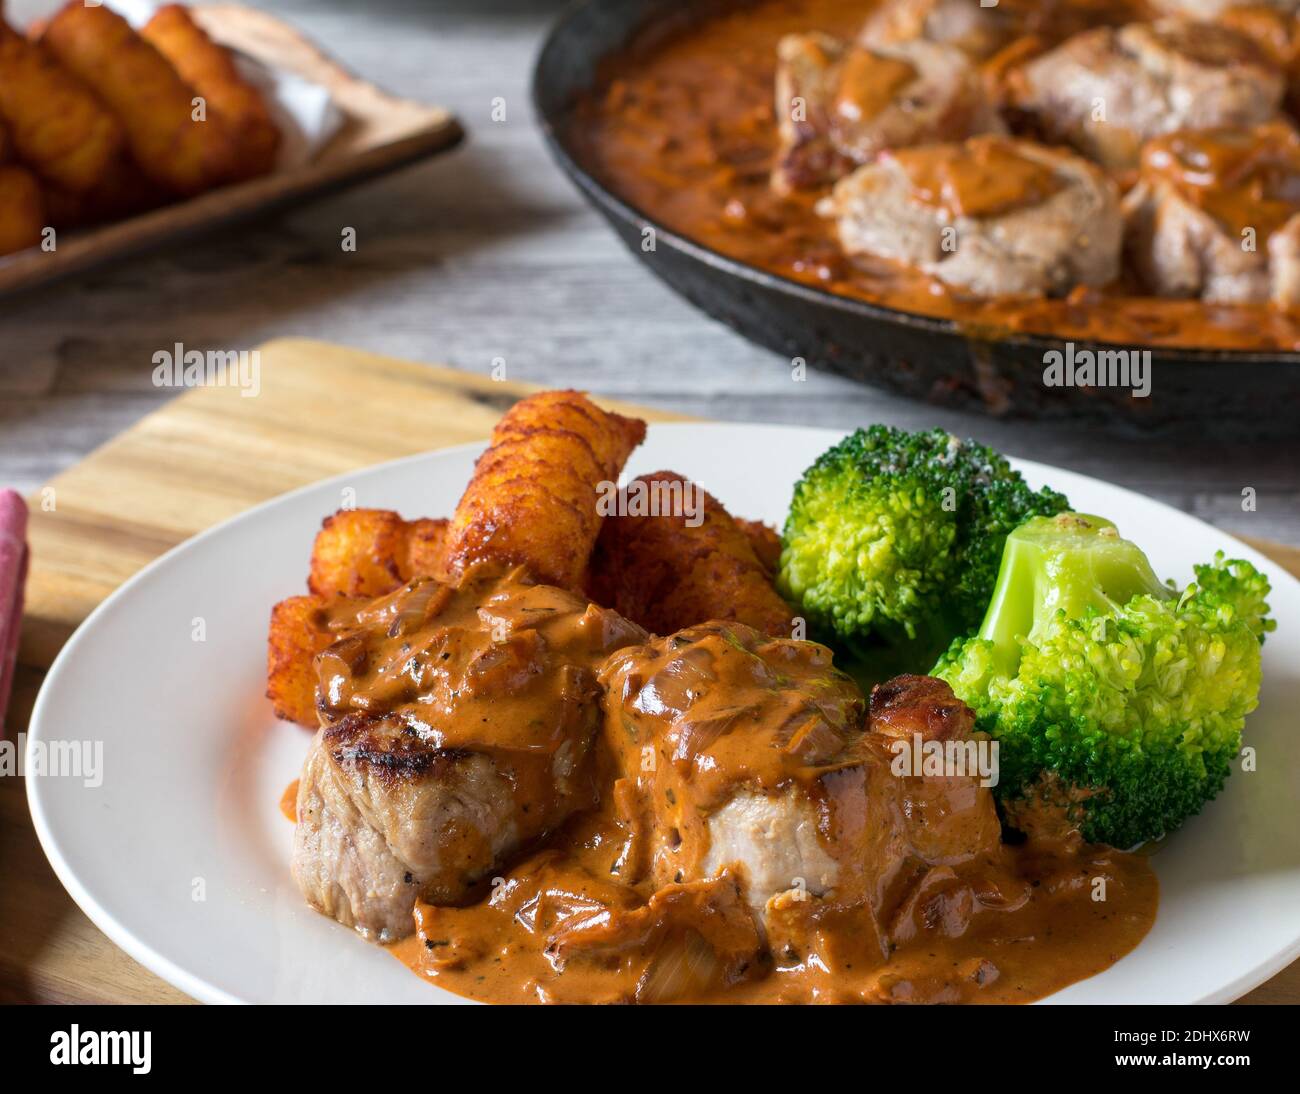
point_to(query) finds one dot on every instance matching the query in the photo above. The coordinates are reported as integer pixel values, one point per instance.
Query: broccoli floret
(894, 538)
(1111, 694)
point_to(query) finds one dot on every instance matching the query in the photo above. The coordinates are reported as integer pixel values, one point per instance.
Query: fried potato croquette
(533, 498)
(210, 69)
(766, 542)
(683, 564)
(57, 126)
(22, 209)
(370, 552)
(156, 108)
(299, 631)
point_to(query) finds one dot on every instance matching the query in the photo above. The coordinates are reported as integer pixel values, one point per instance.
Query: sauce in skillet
(1244, 179)
(990, 180)
(681, 126)
(869, 84)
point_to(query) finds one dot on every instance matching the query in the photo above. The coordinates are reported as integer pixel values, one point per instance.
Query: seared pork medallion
(1107, 90)
(977, 30)
(457, 727)
(736, 750)
(993, 216)
(1216, 215)
(743, 755)
(839, 105)
(1208, 9)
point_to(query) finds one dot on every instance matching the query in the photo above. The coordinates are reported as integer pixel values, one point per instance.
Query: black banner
(147, 1042)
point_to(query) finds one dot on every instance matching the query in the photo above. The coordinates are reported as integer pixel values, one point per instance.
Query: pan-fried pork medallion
(1216, 215)
(457, 727)
(977, 30)
(840, 104)
(1209, 9)
(1107, 90)
(994, 216)
(738, 752)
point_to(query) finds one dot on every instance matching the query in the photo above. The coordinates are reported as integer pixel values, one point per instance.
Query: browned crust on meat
(911, 704)
(387, 750)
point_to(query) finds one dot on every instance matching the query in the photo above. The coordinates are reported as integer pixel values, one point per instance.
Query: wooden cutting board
(211, 453)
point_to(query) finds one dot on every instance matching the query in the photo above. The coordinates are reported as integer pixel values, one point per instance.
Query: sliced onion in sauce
(413, 609)
(684, 965)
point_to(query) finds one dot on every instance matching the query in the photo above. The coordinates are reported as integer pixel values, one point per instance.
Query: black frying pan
(1225, 392)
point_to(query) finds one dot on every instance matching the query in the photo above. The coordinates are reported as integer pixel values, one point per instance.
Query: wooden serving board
(211, 453)
(380, 133)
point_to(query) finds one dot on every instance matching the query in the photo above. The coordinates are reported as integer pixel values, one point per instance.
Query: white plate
(182, 856)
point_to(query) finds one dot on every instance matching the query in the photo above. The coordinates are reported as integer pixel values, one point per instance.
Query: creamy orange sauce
(869, 82)
(289, 801)
(1244, 179)
(682, 127)
(906, 892)
(992, 179)
(495, 951)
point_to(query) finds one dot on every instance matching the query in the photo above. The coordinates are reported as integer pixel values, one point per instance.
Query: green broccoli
(893, 538)
(1111, 694)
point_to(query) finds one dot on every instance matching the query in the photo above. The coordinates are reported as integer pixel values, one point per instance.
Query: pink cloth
(13, 575)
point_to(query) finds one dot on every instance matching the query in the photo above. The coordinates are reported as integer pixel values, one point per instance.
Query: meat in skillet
(1107, 90)
(457, 728)
(976, 30)
(839, 104)
(993, 216)
(990, 32)
(1208, 9)
(1216, 215)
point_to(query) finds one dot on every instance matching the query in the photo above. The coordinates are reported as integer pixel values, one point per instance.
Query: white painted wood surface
(488, 252)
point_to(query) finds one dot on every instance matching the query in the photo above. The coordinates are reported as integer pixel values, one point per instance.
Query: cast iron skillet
(1225, 392)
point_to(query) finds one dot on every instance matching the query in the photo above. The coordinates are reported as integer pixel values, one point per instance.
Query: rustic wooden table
(481, 255)
(485, 253)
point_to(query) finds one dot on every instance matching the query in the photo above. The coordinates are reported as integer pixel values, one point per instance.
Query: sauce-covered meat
(733, 749)
(757, 841)
(458, 726)
(993, 216)
(683, 127)
(1108, 90)
(1216, 215)
(840, 104)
